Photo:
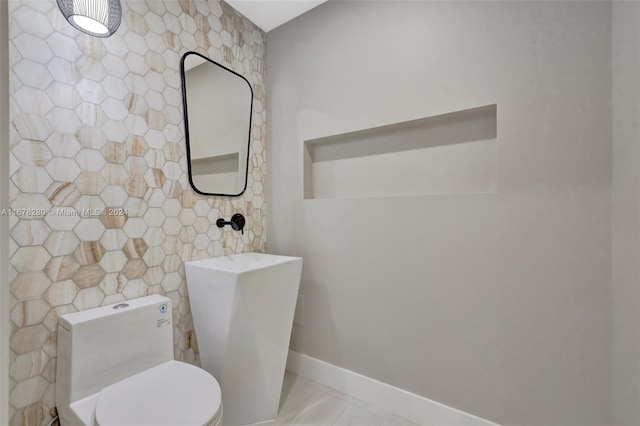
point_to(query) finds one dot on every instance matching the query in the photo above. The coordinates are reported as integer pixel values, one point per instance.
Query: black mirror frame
(186, 124)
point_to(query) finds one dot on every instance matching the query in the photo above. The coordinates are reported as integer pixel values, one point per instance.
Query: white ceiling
(269, 14)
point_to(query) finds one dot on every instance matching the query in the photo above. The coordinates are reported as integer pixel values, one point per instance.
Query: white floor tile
(306, 403)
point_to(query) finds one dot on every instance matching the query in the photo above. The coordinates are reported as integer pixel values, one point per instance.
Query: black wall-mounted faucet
(237, 222)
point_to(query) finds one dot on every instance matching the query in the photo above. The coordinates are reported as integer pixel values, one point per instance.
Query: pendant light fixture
(99, 18)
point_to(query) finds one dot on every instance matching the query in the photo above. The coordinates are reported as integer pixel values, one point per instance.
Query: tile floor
(308, 403)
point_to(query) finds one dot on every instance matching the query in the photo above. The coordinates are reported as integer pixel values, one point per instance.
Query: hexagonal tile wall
(97, 143)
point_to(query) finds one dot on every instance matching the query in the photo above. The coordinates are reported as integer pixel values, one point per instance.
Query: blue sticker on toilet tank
(163, 308)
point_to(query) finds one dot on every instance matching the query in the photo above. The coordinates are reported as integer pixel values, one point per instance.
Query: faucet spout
(237, 222)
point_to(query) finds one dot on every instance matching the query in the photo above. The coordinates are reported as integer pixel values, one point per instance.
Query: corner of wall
(4, 221)
(625, 207)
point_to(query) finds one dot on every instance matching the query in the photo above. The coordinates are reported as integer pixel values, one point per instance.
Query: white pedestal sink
(243, 308)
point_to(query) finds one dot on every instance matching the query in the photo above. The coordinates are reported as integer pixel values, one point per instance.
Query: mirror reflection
(217, 106)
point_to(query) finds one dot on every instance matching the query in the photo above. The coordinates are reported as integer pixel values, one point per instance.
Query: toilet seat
(170, 394)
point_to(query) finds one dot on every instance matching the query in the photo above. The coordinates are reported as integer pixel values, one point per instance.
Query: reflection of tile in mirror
(228, 163)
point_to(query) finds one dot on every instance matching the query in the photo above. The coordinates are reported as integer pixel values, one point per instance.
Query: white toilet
(115, 368)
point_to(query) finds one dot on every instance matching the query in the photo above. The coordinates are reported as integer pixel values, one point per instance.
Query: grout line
(341, 413)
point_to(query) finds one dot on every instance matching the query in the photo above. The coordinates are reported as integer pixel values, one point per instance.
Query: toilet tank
(101, 346)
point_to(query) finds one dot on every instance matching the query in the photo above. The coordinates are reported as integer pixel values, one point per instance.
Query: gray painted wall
(626, 213)
(497, 304)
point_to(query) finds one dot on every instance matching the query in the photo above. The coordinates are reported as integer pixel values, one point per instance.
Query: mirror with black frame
(217, 118)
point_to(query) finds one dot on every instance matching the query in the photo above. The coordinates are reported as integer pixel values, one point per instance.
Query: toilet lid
(173, 393)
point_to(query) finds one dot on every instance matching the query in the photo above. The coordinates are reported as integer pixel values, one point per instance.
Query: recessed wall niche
(453, 153)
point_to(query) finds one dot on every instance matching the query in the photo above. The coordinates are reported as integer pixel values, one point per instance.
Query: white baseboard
(410, 406)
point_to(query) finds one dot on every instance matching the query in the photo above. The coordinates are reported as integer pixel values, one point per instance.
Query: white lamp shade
(99, 18)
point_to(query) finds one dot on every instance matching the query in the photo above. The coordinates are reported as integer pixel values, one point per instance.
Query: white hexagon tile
(97, 124)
